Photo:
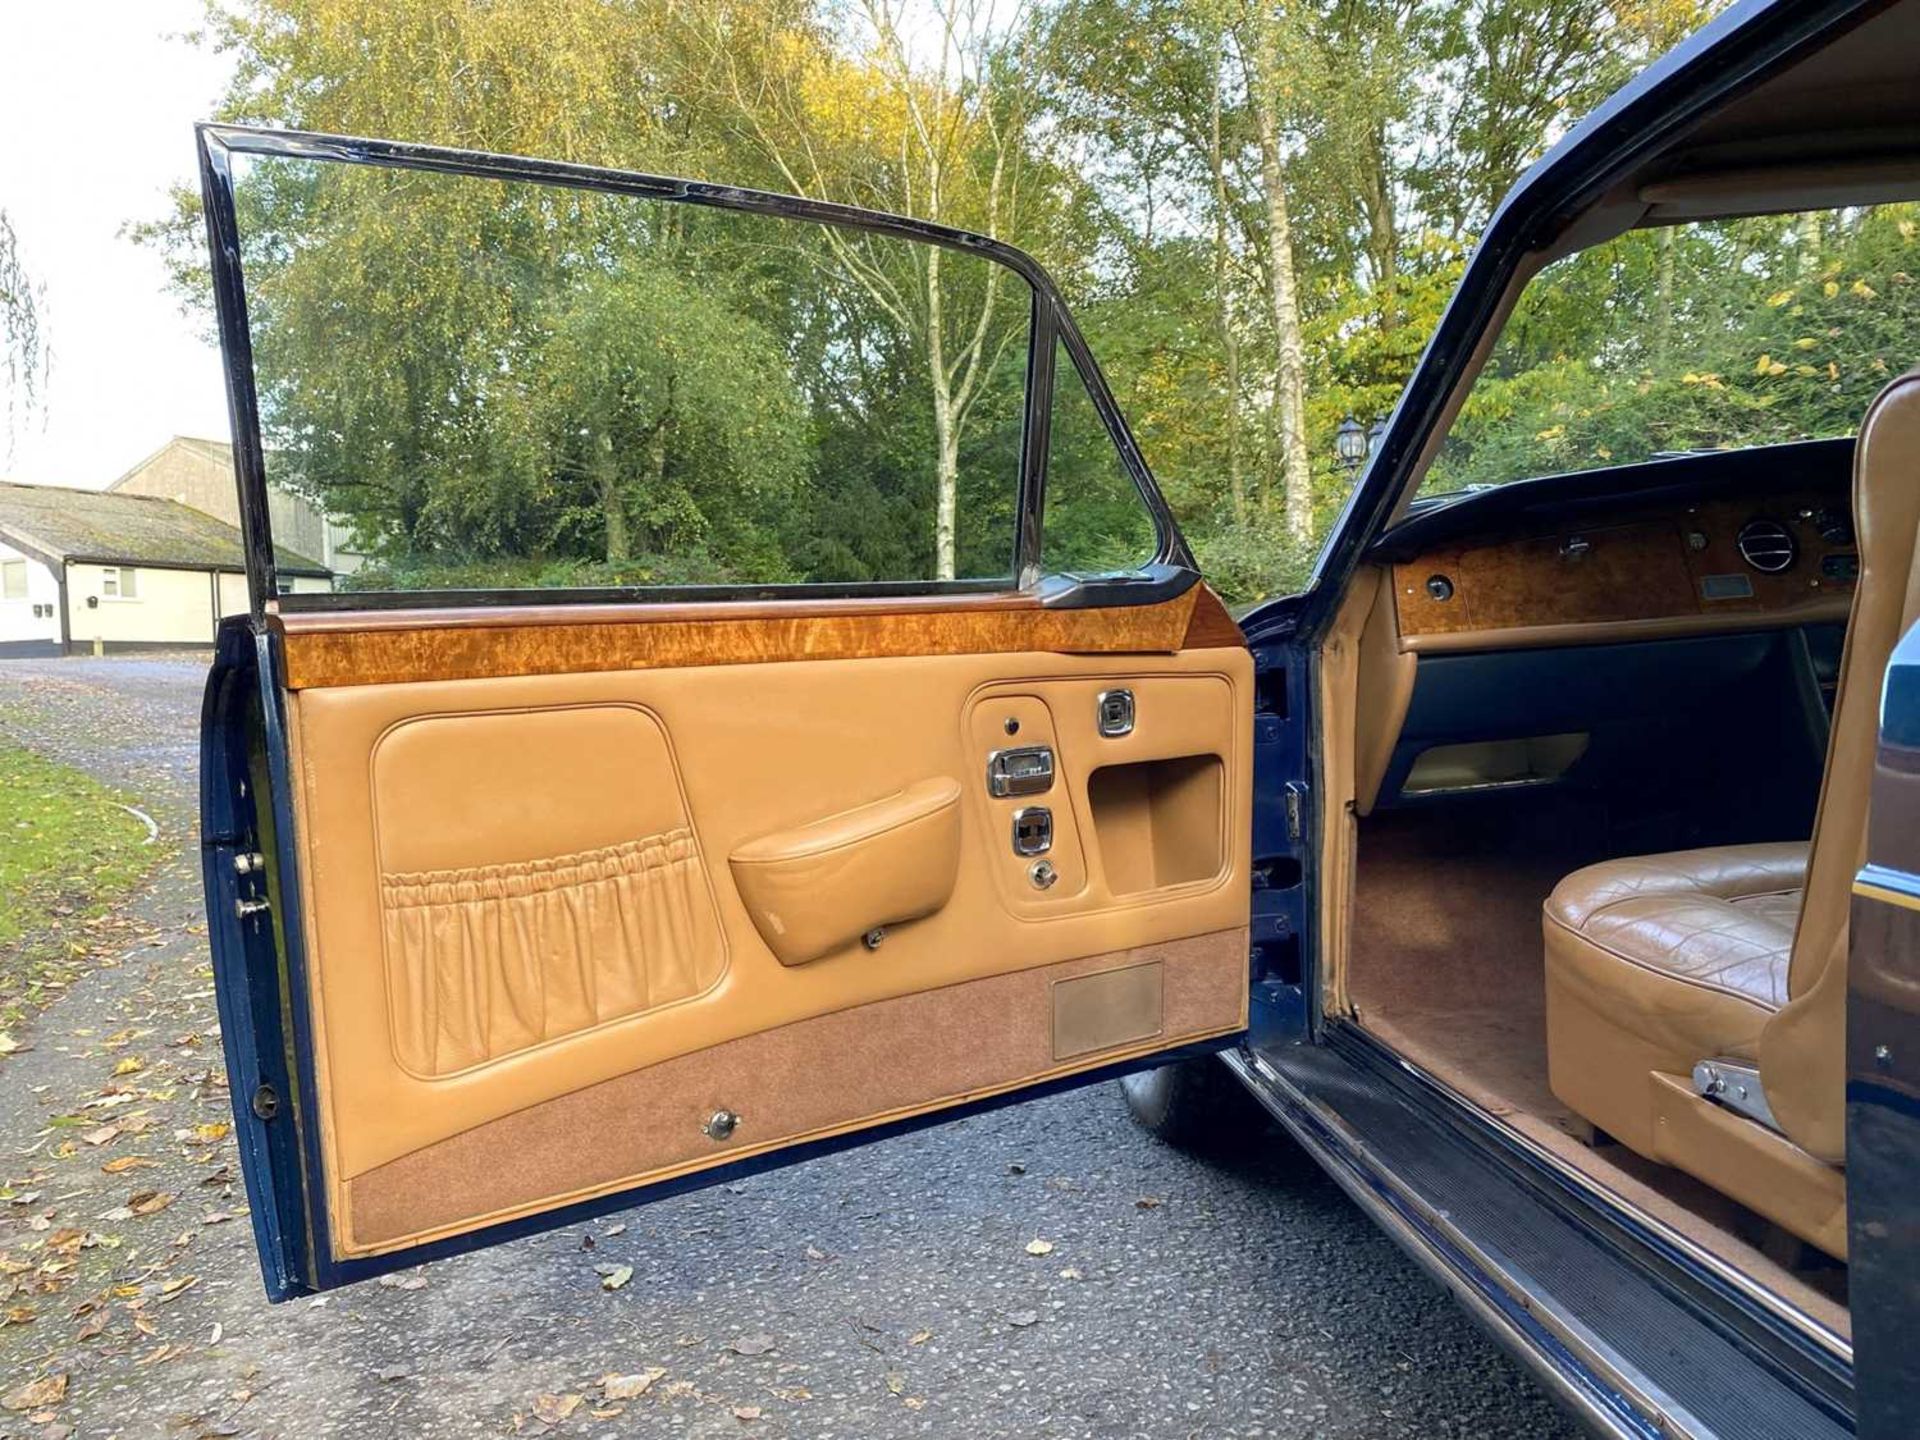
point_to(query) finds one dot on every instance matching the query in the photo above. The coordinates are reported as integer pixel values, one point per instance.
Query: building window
(119, 583)
(13, 579)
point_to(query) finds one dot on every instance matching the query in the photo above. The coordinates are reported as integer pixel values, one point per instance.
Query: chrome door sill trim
(1638, 1411)
(1572, 1176)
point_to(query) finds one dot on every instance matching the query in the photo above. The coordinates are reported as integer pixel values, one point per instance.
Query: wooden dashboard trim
(1646, 571)
(383, 648)
(1827, 609)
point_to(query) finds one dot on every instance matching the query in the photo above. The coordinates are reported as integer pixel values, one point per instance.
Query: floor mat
(1446, 939)
(1448, 969)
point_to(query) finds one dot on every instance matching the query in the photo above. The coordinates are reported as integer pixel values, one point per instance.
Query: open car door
(704, 757)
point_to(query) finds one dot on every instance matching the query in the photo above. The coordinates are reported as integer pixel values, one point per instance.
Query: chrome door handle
(1023, 770)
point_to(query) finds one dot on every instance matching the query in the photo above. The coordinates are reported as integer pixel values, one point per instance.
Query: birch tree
(929, 123)
(1267, 95)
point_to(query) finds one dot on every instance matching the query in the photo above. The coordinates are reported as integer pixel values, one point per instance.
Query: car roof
(1834, 122)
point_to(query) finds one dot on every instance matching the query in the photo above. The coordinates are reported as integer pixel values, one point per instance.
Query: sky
(97, 104)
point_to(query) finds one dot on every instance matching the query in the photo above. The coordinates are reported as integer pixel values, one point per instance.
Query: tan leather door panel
(536, 975)
(848, 876)
(539, 876)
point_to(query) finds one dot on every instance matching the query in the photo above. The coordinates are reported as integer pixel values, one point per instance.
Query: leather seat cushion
(1689, 949)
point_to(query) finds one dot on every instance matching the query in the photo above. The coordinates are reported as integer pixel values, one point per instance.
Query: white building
(86, 569)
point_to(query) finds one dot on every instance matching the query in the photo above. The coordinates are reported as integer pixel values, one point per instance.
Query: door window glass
(495, 384)
(1095, 522)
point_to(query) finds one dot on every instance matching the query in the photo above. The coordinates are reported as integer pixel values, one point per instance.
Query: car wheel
(1195, 1104)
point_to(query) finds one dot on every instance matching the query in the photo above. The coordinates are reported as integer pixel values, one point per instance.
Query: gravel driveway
(885, 1291)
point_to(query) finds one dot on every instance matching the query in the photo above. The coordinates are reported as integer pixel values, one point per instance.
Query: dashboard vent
(1767, 545)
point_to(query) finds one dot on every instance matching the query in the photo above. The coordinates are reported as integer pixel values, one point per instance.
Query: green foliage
(1706, 336)
(499, 385)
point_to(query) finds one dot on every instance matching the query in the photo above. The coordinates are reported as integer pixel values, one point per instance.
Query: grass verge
(67, 852)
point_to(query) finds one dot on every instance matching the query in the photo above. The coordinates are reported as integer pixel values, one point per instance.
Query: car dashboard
(1673, 626)
(1697, 544)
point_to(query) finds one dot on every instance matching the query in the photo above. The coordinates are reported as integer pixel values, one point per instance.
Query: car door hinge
(1296, 807)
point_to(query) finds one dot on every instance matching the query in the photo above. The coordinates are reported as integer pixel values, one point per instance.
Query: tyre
(1196, 1104)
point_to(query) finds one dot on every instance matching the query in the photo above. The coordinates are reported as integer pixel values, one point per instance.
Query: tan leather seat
(1687, 952)
(1655, 963)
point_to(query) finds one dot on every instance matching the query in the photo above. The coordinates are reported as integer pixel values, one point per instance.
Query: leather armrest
(816, 888)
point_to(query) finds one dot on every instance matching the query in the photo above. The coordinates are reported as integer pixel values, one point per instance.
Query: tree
(1256, 211)
(674, 408)
(22, 343)
(941, 139)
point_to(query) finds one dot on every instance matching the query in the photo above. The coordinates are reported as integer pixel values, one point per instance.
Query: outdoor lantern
(1350, 443)
(1374, 432)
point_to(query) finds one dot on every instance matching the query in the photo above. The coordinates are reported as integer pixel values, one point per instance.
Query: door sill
(1780, 1315)
(1629, 1355)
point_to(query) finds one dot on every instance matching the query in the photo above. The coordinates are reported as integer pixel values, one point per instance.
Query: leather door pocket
(1159, 823)
(819, 887)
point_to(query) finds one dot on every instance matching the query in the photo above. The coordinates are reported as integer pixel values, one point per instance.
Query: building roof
(216, 452)
(53, 524)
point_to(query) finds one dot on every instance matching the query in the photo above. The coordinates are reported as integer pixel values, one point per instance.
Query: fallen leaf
(130, 1065)
(746, 1412)
(8, 1045)
(1020, 1319)
(751, 1344)
(120, 1164)
(208, 1133)
(149, 1202)
(37, 1394)
(1016, 1168)
(914, 1402)
(920, 1337)
(630, 1387)
(101, 1135)
(1039, 1247)
(1072, 1272)
(795, 1393)
(614, 1276)
(1148, 1202)
(896, 1383)
(552, 1409)
(613, 1230)
(218, 1334)
(387, 1374)
(414, 1281)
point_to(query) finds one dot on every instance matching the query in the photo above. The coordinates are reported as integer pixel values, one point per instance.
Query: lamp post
(1350, 444)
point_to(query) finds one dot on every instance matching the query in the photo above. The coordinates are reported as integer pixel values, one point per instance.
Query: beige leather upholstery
(812, 889)
(775, 773)
(1802, 1059)
(1696, 943)
(1655, 963)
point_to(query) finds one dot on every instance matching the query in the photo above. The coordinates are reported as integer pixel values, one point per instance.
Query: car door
(766, 702)
(1883, 1024)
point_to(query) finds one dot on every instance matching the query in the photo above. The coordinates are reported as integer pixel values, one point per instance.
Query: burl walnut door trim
(388, 647)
